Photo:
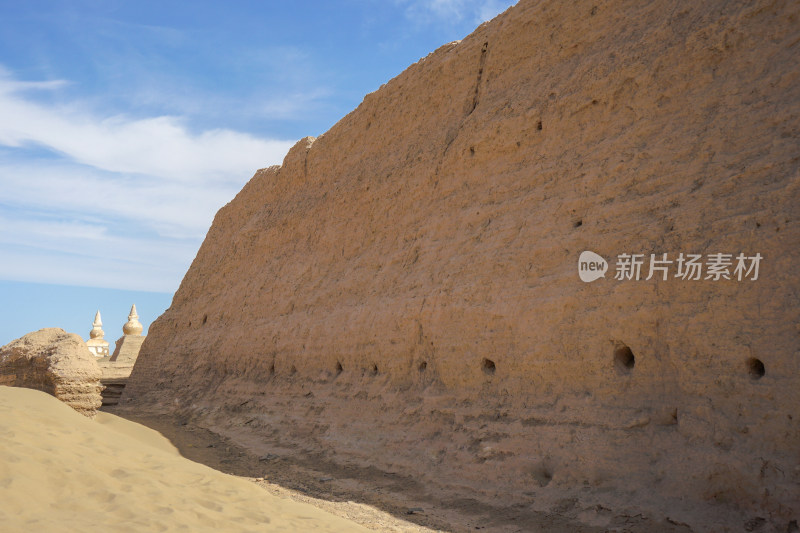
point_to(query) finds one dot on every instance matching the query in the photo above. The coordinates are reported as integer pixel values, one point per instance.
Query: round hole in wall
(624, 358)
(488, 366)
(423, 366)
(755, 368)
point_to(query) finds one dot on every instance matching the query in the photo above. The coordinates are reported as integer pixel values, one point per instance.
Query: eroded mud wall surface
(403, 291)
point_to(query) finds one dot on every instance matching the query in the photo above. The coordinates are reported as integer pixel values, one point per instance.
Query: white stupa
(97, 345)
(127, 348)
(132, 326)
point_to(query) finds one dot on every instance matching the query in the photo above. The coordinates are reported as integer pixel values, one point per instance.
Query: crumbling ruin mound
(56, 362)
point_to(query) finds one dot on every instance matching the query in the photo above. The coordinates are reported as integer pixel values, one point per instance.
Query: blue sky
(125, 125)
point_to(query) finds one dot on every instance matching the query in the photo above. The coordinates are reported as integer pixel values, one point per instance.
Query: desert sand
(60, 471)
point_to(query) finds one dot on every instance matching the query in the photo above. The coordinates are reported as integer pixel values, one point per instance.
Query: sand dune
(60, 471)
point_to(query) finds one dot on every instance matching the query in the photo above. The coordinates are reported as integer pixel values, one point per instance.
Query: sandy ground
(393, 504)
(378, 500)
(60, 471)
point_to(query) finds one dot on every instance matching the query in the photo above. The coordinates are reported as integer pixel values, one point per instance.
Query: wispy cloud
(488, 9)
(153, 204)
(10, 85)
(476, 11)
(160, 146)
(291, 104)
(115, 201)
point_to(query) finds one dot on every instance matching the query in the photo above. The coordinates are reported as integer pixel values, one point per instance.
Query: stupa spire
(97, 327)
(96, 343)
(132, 326)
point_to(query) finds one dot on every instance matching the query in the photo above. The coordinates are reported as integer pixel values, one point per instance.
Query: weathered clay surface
(127, 350)
(56, 362)
(403, 291)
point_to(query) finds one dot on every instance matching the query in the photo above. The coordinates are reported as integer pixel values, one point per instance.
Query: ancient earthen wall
(403, 291)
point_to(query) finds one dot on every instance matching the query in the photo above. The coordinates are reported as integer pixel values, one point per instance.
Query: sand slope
(60, 471)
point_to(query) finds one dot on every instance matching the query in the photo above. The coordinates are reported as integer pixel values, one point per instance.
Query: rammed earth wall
(403, 292)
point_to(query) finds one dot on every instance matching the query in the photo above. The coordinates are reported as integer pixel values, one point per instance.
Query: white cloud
(151, 203)
(114, 201)
(100, 270)
(159, 146)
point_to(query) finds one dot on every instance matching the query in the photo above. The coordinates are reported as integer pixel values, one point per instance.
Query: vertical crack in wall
(452, 134)
(481, 65)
